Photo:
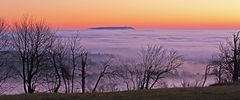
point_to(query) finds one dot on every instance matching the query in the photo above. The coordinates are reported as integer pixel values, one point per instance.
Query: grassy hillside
(210, 93)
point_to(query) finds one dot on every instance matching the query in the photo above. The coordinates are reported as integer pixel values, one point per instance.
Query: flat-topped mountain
(112, 28)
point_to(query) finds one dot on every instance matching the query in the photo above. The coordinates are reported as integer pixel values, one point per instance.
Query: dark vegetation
(31, 53)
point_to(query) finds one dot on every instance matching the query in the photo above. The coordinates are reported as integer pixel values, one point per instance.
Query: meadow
(207, 93)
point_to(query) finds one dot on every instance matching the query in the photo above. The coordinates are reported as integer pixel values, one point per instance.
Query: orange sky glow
(136, 13)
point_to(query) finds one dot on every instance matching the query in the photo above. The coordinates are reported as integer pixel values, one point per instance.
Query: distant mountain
(112, 28)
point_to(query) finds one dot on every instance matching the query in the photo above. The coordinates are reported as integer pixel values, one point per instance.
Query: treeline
(34, 55)
(225, 65)
(45, 63)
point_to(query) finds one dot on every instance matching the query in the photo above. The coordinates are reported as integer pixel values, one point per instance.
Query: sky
(135, 13)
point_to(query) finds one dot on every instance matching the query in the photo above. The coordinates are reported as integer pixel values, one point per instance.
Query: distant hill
(112, 28)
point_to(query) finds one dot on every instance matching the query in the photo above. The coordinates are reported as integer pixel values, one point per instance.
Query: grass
(209, 93)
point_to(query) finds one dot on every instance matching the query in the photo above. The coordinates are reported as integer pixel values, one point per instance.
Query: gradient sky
(136, 13)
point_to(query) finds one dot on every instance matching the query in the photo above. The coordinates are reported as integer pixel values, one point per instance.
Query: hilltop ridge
(113, 28)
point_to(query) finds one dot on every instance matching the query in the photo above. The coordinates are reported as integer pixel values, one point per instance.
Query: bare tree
(32, 40)
(105, 67)
(187, 80)
(157, 62)
(236, 47)
(225, 65)
(130, 74)
(220, 67)
(65, 57)
(57, 56)
(75, 52)
(5, 67)
(154, 64)
(60, 59)
(66, 75)
(206, 74)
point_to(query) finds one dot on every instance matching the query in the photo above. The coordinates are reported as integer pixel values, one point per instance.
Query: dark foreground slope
(210, 93)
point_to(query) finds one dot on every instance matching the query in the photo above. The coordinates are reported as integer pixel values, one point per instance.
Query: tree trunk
(235, 61)
(84, 61)
(73, 72)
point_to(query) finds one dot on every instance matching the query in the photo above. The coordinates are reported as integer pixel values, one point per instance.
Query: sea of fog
(197, 45)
